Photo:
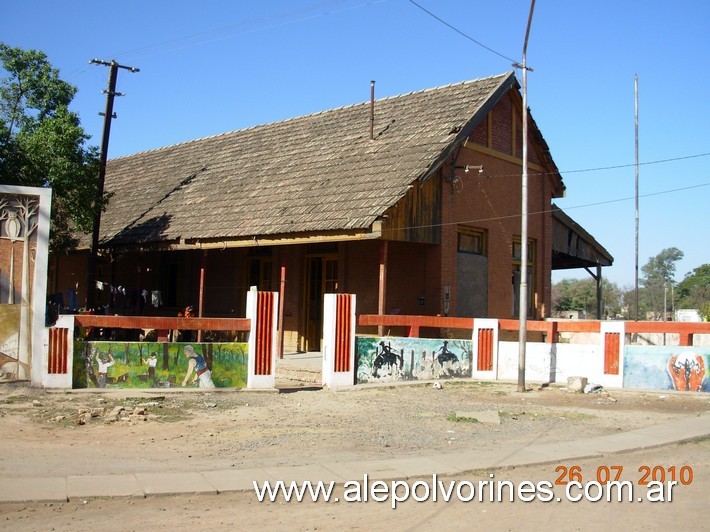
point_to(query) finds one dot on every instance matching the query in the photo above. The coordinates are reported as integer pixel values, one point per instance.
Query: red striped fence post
(485, 349)
(58, 367)
(339, 340)
(262, 310)
(613, 344)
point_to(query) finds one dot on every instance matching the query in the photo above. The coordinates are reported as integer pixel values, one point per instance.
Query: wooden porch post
(282, 293)
(599, 292)
(200, 303)
(382, 297)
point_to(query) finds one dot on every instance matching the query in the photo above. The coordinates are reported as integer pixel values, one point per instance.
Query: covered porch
(573, 248)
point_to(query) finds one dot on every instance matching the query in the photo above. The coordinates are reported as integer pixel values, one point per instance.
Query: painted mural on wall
(406, 359)
(9, 342)
(667, 368)
(160, 365)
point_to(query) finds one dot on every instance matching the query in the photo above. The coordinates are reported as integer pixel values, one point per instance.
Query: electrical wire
(545, 211)
(599, 168)
(634, 164)
(513, 61)
(226, 32)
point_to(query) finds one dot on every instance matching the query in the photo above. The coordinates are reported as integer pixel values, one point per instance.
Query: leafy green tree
(658, 276)
(694, 291)
(42, 143)
(581, 295)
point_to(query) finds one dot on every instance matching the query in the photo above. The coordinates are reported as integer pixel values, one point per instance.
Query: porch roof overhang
(373, 233)
(573, 246)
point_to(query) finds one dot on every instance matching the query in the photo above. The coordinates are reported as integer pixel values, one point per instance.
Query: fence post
(58, 359)
(262, 311)
(339, 340)
(613, 343)
(485, 349)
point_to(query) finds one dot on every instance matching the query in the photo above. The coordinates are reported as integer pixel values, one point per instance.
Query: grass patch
(471, 384)
(451, 416)
(572, 416)
(14, 399)
(171, 414)
(699, 439)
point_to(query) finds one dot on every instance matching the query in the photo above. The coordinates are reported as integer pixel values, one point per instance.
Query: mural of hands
(687, 371)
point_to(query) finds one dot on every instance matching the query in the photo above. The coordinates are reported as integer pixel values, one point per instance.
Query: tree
(658, 276)
(694, 291)
(42, 143)
(581, 295)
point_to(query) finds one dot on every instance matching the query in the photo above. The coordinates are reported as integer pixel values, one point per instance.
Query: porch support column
(201, 299)
(598, 279)
(282, 294)
(599, 292)
(382, 297)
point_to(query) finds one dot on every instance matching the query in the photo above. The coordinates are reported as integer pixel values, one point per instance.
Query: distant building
(688, 314)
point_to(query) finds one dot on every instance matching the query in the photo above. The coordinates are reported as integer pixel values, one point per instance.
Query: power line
(634, 164)
(225, 32)
(546, 211)
(463, 34)
(601, 168)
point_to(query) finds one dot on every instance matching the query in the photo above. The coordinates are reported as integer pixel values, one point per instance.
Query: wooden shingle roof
(312, 174)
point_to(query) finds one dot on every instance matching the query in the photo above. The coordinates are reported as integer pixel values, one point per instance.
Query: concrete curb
(63, 489)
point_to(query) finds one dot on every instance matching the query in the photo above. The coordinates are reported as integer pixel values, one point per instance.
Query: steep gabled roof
(312, 174)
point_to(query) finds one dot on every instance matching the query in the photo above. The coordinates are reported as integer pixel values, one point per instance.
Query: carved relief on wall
(19, 218)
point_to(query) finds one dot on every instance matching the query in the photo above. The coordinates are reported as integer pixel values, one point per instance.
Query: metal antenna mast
(108, 115)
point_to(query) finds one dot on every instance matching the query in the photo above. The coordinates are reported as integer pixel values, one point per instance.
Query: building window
(471, 240)
(517, 250)
(260, 272)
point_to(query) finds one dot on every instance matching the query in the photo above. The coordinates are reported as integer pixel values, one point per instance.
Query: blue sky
(215, 66)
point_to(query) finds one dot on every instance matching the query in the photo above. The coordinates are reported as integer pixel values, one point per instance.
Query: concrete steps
(298, 374)
(300, 369)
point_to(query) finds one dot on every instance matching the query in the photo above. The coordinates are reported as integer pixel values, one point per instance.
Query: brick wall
(492, 201)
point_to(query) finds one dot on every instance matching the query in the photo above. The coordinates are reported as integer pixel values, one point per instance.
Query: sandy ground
(46, 434)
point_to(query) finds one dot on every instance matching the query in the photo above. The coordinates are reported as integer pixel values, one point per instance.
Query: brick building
(411, 202)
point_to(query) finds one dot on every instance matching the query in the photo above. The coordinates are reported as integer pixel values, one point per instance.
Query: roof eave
(467, 130)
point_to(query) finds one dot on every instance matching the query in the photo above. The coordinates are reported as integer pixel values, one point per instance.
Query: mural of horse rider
(444, 356)
(386, 357)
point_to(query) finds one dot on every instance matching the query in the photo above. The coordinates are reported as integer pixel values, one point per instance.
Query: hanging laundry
(72, 300)
(156, 298)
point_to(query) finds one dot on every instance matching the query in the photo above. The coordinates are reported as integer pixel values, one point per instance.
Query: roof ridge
(308, 115)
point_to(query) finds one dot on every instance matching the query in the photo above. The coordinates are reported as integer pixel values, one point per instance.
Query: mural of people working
(159, 365)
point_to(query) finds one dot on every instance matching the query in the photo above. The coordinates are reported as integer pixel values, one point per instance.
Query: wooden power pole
(108, 115)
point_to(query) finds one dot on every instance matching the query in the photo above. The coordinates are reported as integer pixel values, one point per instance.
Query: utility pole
(108, 115)
(636, 151)
(523, 290)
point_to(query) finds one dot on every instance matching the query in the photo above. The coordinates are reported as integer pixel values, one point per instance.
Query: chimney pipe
(372, 110)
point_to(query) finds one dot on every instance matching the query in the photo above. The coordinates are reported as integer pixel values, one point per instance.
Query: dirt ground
(82, 433)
